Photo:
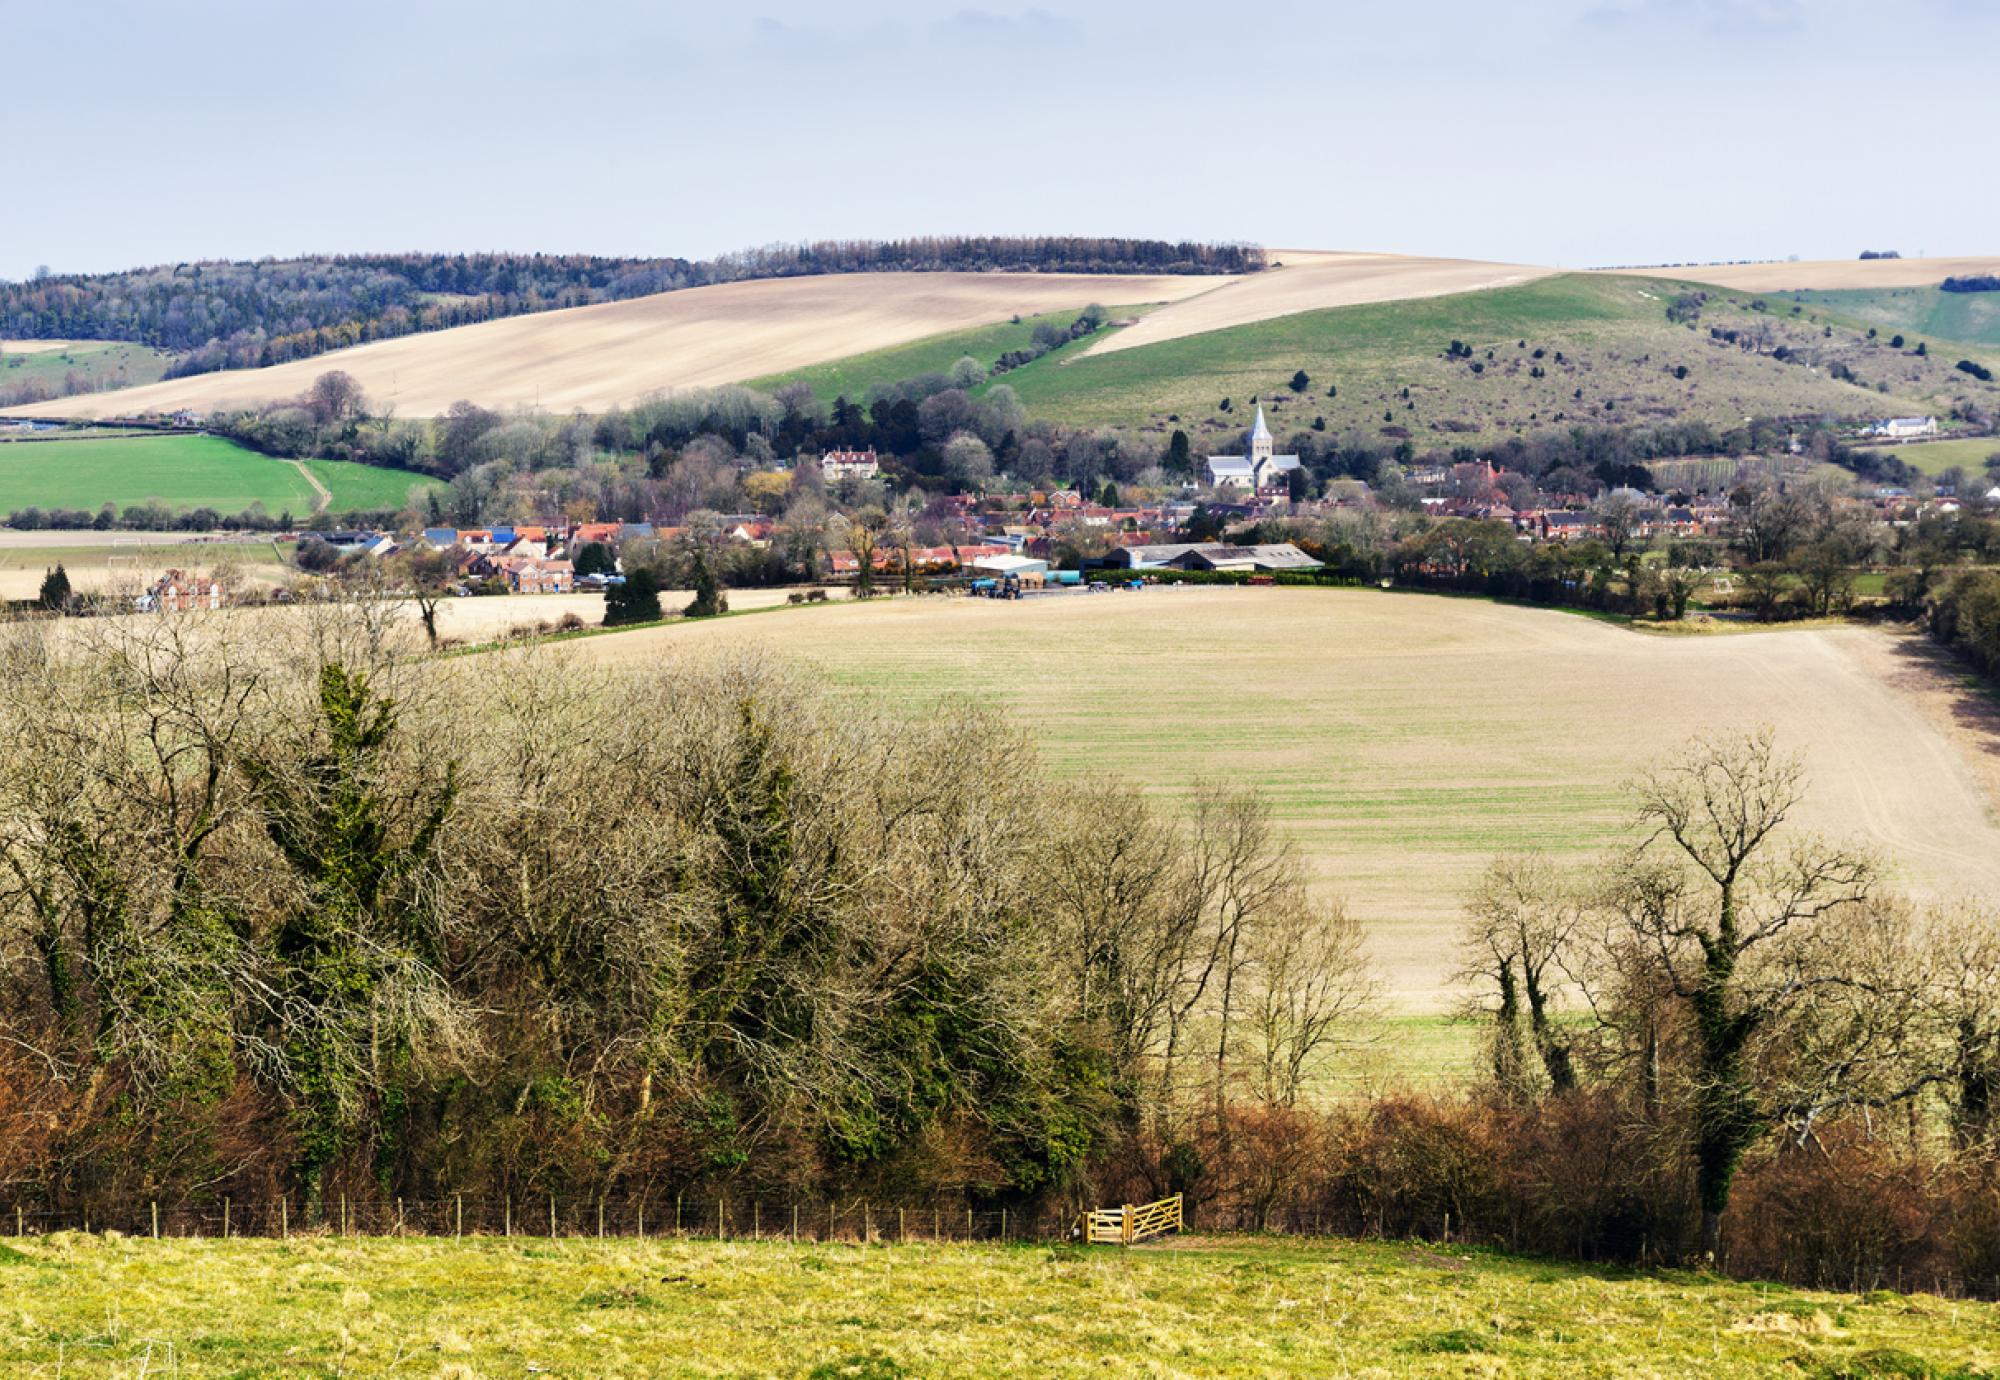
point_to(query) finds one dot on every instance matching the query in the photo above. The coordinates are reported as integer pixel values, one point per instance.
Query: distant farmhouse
(1259, 471)
(1905, 428)
(837, 465)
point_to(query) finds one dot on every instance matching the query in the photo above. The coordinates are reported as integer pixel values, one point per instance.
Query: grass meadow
(1935, 457)
(49, 364)
(89, 1306)
(852, 377)
(1973, 317)
(183, 471)
(1619, 352)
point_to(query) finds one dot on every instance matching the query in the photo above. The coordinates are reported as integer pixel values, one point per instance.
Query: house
(535, 575)
(1561, 526)
(1258, 471)
(1904, 428)
(838, 465)
(177, 592)
(604, 533)
(1024, 570)
(441, 537)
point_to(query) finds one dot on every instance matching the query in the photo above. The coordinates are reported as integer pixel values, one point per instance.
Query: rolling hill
(1826, 275)
(600, 356)
(1558, 351)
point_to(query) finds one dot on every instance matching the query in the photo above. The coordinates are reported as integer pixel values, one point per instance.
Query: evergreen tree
(709, 599)
(56, 596)
(635, 601)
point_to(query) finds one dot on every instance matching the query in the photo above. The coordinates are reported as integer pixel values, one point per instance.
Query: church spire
(1260, 432)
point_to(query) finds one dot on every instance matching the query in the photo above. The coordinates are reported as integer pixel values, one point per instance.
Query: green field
(1935, 457)
(182, 472)
(367, 487)
(852, 377)
(1617, 346)
(27, 372)
(1403, 740)
(1973, 317)
(86, 1306)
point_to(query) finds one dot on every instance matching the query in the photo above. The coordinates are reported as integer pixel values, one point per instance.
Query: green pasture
(853, 376)
(102, 363)
(183, 472)
(97, 1306)
(1915, 312)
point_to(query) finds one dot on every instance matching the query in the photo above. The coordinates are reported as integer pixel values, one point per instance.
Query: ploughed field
(1406, 739)
(85, 1306)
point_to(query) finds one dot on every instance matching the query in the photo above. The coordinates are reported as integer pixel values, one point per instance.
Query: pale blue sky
(1568, 132)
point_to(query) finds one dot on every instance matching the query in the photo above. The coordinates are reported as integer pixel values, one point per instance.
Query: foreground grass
(1223, 1306)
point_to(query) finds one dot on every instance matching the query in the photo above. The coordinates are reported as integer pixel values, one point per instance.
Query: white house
(1259, 471)
(1906, 428)
(837, 465)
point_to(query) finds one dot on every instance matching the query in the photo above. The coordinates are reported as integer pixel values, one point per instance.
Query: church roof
(1260, 431)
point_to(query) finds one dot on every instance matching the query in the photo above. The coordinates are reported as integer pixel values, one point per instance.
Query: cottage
(178, 592)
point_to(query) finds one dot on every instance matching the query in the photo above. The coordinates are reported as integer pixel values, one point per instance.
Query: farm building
(1265, 558)
(1259, 470)
(1905, 428)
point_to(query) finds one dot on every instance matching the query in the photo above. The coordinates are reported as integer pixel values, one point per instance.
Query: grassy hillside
(30, 368)
(853, 375)
(1225, 1306)
(1918, 311)
(1606, 338)
(182, 472)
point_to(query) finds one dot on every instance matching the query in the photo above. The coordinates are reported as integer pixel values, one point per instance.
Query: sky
(1561, 132)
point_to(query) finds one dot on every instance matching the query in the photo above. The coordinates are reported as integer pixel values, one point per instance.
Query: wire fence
(761, 1218)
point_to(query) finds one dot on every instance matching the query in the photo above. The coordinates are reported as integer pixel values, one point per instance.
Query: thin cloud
(1719, 17)
(1034, 27)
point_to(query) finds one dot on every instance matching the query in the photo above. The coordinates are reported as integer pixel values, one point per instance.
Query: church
(1259, 471)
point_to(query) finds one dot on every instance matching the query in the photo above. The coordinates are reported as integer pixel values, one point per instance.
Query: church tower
(1260, 441)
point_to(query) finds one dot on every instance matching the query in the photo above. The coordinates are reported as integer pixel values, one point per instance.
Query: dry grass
(600, 356)
(1406, 739)
(1827, 275)
(80, 1306)
(1310, 280)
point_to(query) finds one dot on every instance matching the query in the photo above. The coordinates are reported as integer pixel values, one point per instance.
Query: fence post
(867, 1222)
(507, 1217)
(285, 1216)
(19, 1230)
(1003, 1224)
(1125, 1225)
(968, 1226)
(829, 1219)
(458, 1216)
(677, 1214)
(937, 1222)
(156, 1220)
(552, 1217)
(795, 1223)
(756, 1219)
(642, 1219)
(343, 1214)
(899, 1226)
(225, 1219)
(600, 1219)
(399, 1214)
(719, 1229)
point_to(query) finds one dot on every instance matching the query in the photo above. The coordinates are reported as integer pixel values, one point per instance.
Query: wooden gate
(1121, 1226)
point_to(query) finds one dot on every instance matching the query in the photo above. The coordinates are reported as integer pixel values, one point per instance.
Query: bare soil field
(1826, 275)
(99, 561)
(487, 619)
(1406, 739)
(600, 356)
(1310, 280)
